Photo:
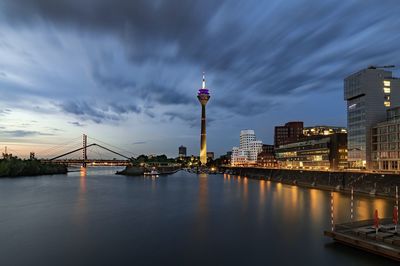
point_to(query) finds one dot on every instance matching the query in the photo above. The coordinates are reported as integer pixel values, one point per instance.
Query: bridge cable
(113, 146)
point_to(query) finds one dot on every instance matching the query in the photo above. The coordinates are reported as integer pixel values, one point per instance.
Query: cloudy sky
(127, 72)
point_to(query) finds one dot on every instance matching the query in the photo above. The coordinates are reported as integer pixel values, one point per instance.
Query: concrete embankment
(132, 171)
(362, 183)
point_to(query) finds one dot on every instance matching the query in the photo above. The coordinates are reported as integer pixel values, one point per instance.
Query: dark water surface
(98, 218)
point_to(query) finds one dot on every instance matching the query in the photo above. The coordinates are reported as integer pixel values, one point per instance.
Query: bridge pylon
(84, 151)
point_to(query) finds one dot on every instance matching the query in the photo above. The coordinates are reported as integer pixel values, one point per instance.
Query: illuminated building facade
(322, 130)
(266, 158)
(290, 132)
(386, 143)
(203, 95)
(317, 152)
(247, 152)
(369, 93)
(267, 148)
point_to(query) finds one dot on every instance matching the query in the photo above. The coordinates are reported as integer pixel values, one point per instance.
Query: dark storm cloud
(254, 49)
(152, 92)
(55, 129)
(191, 119)
(165, 95)
(24, 133)
(188, 118)
(110, 82)
(149, 113)
(139, 142)
(89, 111)
(123, 109)
(4, 111)
(76, 123)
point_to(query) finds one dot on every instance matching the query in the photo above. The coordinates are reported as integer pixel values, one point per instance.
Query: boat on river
(152, 173)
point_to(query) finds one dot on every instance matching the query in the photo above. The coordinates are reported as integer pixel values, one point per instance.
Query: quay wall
(362, 183)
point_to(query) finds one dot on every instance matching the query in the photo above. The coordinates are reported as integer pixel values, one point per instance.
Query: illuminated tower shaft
(203, 136)
(203, 96)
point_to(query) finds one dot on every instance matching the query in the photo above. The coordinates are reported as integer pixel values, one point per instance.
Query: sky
(127, 72)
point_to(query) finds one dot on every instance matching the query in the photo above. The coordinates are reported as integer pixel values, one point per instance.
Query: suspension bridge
(77, 153)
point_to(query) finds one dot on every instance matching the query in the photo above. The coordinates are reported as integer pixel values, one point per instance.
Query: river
(94, 217)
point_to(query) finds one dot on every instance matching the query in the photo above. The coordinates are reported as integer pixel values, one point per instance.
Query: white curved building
(247, 152)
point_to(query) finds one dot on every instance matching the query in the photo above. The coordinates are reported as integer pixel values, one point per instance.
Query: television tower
(203, 95)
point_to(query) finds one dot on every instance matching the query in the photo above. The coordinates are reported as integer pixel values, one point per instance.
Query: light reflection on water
(80, 207)
(94, 217)
(294, 200)
(364, 207)
(318, 200)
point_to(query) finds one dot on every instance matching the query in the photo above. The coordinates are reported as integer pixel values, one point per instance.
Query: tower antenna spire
(204, 81)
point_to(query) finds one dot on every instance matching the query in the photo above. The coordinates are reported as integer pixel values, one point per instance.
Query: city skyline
(119, 73)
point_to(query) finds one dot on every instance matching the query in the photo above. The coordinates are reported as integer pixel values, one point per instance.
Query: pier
(383, 241)
(378, 236)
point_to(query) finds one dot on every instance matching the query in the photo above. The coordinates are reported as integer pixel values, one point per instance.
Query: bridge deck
(90, 162)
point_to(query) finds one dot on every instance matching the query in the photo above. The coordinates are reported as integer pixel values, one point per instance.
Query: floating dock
(363, 235)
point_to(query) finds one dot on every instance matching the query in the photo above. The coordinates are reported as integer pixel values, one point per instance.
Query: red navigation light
(376, 220)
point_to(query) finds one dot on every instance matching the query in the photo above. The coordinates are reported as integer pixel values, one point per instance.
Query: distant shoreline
(14, 167)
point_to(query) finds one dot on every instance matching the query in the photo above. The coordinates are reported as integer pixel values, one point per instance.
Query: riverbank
(371, 184)
(14, 167)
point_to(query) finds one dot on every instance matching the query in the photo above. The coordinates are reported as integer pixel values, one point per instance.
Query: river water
(94, 217)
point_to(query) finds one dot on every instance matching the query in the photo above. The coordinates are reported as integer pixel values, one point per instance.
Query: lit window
(386, 90)
(386, 83)
(352, 106)
(387, 104)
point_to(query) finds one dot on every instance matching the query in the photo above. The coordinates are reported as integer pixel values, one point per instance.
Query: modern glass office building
(369, 93)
